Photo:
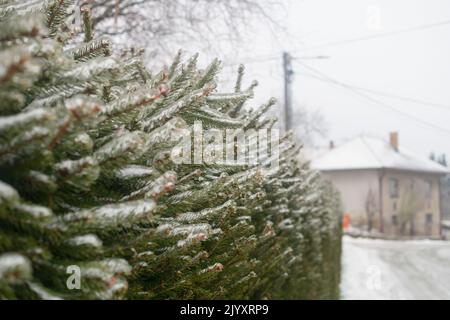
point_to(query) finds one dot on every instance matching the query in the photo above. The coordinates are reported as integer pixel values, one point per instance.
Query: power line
(246, 61)
(375, 101)
(251, 60)
(379, 35)
(385, 94)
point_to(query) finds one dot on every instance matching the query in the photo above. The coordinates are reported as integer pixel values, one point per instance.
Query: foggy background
(399, 49)
(387, 66)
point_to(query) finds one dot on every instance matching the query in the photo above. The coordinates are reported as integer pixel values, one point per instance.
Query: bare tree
(371, 208)
(309, 125)
(412, 202)
(170, 24)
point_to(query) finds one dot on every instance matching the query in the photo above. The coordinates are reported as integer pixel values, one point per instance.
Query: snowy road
(380, 269)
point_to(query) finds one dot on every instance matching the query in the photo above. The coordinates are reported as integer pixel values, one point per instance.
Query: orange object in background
(346, 221)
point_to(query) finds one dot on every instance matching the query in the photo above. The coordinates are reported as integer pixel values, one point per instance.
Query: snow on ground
(382, 269)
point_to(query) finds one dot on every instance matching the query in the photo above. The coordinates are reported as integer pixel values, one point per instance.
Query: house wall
(445, 194)
(406, 214)
(355, 187)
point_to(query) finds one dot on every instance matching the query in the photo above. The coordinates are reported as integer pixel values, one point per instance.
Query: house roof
(366, 152)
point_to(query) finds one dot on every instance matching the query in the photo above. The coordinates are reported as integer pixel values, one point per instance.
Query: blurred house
(445, 187)
(445, 194)
(385, 188)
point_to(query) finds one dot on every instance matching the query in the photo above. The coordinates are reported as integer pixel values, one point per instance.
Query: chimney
(393, 140)
(331, 145)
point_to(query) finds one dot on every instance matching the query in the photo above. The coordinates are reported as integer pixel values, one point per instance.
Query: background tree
(165, 26)
(309, 125)
(371, 208)
(413, 201)
(441, 159)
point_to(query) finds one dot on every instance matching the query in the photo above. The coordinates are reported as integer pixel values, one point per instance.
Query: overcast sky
(413, 64)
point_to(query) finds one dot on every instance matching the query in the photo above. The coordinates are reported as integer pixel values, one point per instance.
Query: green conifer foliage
(86, 179)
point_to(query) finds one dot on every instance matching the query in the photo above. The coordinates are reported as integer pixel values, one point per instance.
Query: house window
(394, 220)
(394, 206)
(393, 188)
(429, 218)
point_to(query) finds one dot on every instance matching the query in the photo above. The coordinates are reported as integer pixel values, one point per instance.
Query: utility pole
(288, 74)
(288, 78)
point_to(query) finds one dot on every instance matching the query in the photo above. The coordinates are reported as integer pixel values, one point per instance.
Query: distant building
(445, 187)
(445, 194)
(385, 188)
